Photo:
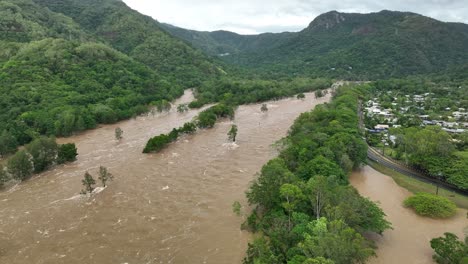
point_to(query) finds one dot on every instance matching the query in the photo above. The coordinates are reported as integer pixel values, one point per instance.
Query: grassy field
(414, 185)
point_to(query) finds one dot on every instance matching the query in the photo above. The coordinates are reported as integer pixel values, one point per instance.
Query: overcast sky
(259, 16)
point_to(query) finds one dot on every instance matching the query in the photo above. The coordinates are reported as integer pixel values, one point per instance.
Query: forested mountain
(138, 36)
(69, 65)
(354, 46)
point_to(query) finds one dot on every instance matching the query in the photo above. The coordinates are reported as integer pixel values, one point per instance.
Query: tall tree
(233, 133)
(319, 196)
(88, 183)
(104, 175)
(293, 195)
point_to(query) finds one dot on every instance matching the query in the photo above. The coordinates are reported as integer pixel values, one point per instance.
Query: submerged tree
(104, 175)
(301, 96)
(88, 183)
(182, 108)
(319, 93)
(3, 176)
(67, 153)
(264, 108)
(118, 133)
(233, 133)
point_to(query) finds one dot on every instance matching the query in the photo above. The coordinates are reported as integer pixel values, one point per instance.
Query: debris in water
(165, 188)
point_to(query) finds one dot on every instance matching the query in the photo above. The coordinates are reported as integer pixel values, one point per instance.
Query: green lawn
(414, 185)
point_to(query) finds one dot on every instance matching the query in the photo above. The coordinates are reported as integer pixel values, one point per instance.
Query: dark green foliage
(243, 91)
(162, 106)
(259, 251)
(158, 143)
(88, 183)
(8, 143)
(38, 156)
(43, 152)
(182, 108)
(450, 250)
(431, 205)
(335, 241)
(301, 96)
(20, 165)
(265, 190)
(208, 117)
(3, 176)
(309, 181)
(188, 128)
(140, 37)
(68, 65)
(232, 134)
(206, 120)
(67, 153)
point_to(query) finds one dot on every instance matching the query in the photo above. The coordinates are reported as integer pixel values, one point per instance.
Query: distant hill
(354, 46)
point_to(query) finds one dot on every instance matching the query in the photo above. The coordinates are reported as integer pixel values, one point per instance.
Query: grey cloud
(257, 16)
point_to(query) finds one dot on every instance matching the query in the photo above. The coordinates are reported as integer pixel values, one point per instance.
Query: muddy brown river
(409, 241)
(170, 207)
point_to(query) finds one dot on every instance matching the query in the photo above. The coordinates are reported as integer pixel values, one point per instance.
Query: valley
(224, 147)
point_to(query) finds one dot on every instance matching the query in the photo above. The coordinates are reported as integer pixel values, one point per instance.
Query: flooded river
(170, 207)
(409, 241)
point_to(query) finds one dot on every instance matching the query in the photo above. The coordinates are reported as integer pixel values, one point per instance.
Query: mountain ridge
(345, 45)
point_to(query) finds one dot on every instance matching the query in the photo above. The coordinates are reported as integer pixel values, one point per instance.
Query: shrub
(431, 205)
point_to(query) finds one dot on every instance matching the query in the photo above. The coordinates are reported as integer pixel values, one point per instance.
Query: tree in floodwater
(301, 96)
(233, 133)
(236, 208)
(104, 175)
(3, 176)
(67, 153)
(319, 93)
(264, 108)
(88, 183)
(118, 133)
(182, 108)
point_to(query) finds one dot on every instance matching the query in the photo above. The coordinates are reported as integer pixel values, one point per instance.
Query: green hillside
(138, 36)
(60, 74)
(353, 46)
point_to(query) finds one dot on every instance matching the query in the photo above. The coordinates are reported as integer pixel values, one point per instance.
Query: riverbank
(408, 242)
(414, 185)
